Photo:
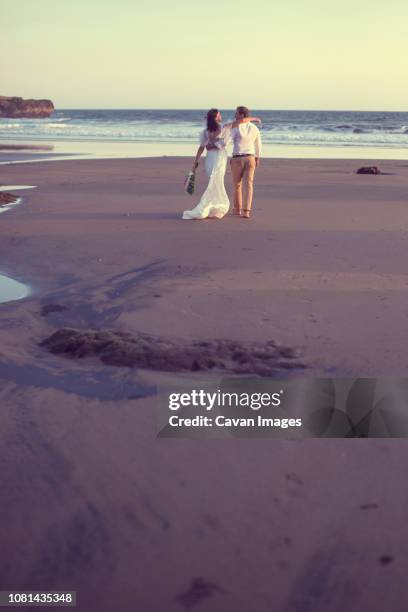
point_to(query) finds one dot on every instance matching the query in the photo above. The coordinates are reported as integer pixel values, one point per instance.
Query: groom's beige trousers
(243, 171)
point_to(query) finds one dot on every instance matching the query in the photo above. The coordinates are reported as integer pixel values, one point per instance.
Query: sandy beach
(92, 500)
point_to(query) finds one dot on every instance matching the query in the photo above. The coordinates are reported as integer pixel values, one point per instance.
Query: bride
(214, 201)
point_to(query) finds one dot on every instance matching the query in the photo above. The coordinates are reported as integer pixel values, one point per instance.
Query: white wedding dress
(214, 202)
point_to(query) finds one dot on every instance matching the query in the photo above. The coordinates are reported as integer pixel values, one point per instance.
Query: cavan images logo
(296, 407)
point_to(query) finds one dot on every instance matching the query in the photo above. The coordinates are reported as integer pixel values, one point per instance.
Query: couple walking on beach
(246, 140)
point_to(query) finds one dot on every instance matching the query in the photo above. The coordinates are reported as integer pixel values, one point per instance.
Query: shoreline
(94, 149)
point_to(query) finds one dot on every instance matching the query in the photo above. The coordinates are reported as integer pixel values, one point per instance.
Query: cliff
(17, 107)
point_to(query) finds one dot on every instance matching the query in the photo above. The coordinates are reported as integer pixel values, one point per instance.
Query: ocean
(294, 128)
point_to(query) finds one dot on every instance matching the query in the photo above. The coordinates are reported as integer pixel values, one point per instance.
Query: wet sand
(91, 499)
(25, 147)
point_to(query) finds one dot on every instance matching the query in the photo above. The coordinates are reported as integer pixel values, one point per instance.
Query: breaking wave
(320, 128)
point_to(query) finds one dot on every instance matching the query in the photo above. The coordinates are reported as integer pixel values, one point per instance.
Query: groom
(245, 159)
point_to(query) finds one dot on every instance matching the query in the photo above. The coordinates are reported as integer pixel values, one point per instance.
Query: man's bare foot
(236, 212)
(246, 214)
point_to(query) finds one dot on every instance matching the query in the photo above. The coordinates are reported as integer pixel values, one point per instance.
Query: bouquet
(189, 183)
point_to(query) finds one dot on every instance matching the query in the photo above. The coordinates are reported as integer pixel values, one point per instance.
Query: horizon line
(297, 110)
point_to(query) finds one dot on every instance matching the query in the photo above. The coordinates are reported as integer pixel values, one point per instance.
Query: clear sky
(282, 54)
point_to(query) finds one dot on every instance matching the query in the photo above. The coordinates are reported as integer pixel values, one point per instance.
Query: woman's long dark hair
(212, 124)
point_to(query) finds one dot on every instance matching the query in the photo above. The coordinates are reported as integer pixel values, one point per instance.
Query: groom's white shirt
(247, 140)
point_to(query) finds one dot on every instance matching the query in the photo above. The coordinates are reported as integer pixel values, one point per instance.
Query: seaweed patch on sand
(152, 353)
